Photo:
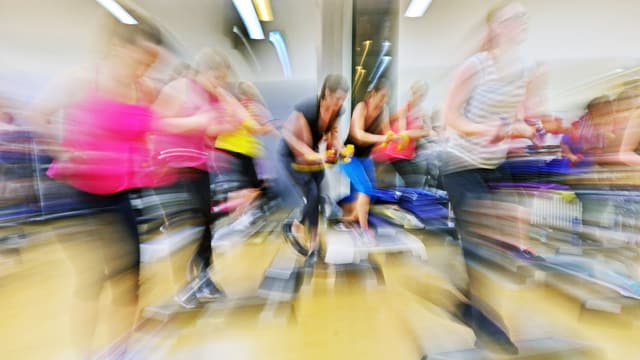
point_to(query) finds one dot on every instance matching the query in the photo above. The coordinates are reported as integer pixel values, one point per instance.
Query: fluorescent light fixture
(264, 10)
(366, 50)
(237, 31)
(249, 18)
(386, 45)
(281, 49)
(118, 11)
(417, 8)
(376, 76)
(360, 72)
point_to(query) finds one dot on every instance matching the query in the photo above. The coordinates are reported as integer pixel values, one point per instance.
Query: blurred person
(313, 121)
(17, 187)
(435, 145)
(192, 111)
(411, 119)
(553, 131)
(572, 144)
(181, 70)
(435, 126)
(488, 92)
(250, 97)
(102, 152)
(596, 127)
(626, 128)
(236, 151)
(369, 127)
(6, 115)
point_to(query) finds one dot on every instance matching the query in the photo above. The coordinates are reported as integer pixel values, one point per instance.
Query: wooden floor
(337, 315)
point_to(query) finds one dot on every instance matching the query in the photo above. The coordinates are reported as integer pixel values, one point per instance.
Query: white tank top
(494, 101)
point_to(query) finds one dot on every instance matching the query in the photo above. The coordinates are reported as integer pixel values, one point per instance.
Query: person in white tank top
(490, 95)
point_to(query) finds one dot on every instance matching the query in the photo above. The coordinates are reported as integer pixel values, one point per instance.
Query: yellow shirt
(240, 141)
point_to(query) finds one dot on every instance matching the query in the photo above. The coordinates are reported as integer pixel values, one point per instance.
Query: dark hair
(380, 84)
(333, 83)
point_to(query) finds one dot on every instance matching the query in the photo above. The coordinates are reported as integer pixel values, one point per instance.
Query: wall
(42, 39)
(577, 40)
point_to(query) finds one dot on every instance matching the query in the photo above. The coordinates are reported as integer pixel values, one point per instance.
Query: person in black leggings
(313, 121)
(481, 114)
(188, 119)
(90, 101)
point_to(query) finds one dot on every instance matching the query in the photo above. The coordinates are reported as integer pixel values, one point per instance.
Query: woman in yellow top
(233, 167)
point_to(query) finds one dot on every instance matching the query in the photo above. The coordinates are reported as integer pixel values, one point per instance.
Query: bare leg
(349, 212)
(362, 210)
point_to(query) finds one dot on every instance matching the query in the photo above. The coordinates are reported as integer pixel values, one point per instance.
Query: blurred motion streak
(276, 38)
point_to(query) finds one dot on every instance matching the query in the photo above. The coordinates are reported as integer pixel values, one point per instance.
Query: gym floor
(336, 315)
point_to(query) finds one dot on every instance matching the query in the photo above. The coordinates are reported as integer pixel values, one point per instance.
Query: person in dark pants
(481, 114)
(189, 119)
(105, 115)
(313, 121)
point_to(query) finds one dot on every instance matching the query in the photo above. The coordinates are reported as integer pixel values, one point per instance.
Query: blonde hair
(487, 44)
(493, 12)
(418, 87)
(213, 60)
(245, 89)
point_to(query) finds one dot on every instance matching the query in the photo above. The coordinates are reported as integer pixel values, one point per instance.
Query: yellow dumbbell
(404, 142)
(347, 153)
(389, 136)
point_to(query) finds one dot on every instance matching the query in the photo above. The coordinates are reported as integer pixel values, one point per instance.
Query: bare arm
(566, 152)
(170, 106)
(357, 127)
(297, 134)
(333, 137)
(463, 84)
(400, 116)
(630, 141)
(533, 106)
(238, 112)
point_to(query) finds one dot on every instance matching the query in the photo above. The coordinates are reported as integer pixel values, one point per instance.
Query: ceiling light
(263, 7)
(249, 18)
(277, 40)
(417, 8)
(118, 11)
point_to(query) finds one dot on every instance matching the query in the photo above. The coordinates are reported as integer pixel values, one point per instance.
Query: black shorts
(233, 171)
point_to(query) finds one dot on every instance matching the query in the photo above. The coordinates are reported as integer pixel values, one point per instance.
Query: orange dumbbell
(331, 157)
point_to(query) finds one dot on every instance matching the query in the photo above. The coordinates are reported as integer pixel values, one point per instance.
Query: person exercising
(312, 121)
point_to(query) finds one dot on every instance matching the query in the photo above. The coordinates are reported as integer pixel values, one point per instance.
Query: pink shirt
(107, 140)
(187, 150)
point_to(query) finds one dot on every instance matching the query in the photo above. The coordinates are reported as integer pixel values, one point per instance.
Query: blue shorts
(362, 174)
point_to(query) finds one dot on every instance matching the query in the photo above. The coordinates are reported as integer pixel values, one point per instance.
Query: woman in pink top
(193, 110)
(410, 120)
(103, 152)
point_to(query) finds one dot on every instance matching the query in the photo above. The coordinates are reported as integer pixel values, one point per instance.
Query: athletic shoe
(208, 291)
